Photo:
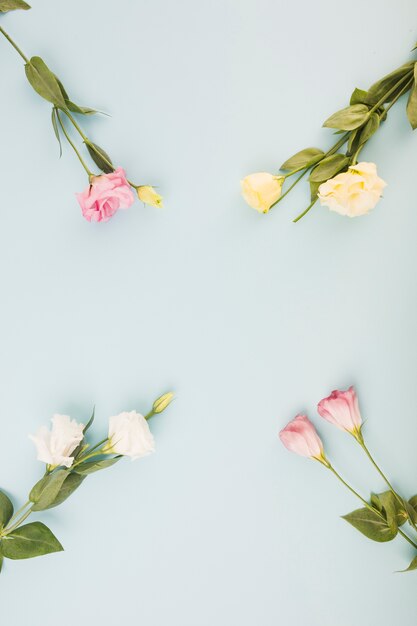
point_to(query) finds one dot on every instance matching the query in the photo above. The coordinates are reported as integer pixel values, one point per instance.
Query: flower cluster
(107, 192)
(336, 178)
(69, 459)
(380, 518)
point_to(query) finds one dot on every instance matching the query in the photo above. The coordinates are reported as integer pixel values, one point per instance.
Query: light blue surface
(248, 318)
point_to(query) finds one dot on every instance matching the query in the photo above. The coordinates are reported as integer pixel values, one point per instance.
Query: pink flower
(105, 195)
(301, 437)
(342, 409)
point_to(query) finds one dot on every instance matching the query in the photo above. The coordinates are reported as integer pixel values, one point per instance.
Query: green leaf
(304, 158)
(88, 467)
(75, 108)
(44, 81)
(412, 102)
(349, 118)
(314, 187)
(6, 509)
(56, 129)
(90, 421)
(329, 167)
(28, 541)
(381, 87)
(12, 5)
(369, 128)
(1, 559)
(46, 490)
(100, 157)
(370, 524)
(412, 566)
(359, 96)
(70, 484)
(391, 509)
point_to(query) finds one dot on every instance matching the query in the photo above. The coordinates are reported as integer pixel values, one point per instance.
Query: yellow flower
(262, 190)
(354, 192)
(148, 195)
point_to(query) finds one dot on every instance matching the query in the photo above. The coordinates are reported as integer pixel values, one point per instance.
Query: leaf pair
(380, 523)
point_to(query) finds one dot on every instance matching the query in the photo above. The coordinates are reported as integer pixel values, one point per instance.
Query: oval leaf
(6, 509)
(28, 541)
(46, 490)
(100, 158)
(329, 167)
(94, 466)
(412, 566)
(372, 525)
(44, 81)
(304, 158)
(12, 5)
(349, 118)
(412, 102)
(70, 484)
(381, 87)
(359, 96)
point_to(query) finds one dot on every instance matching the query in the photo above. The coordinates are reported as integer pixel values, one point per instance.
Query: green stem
(20, 521)
(400, 93)
(384, 478)
(94, 451)
(366, 504)
(19, 511)
(15, 46)
(389, 92)
(310, 206)
(64, 130)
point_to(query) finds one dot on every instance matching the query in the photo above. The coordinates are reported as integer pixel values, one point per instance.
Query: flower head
(354, 192)
(262, 190)
(148, 195)
(55, 446)
(341, 408)
(301, 437)
(129, 435)
(105, 195)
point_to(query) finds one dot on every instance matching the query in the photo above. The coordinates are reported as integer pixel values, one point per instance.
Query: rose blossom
(354, 192)
(129, 435)
(341, 408)
(301, 437)
(262, 190)
(55, 446)
(105, 195)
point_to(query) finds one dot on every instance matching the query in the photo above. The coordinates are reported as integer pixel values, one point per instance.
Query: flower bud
(301, 437)
(262, 190)
(161, 403)
(341, 408)
(148, 195)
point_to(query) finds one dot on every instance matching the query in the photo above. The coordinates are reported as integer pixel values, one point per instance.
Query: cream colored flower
(129, 435)
(55, 446)
(262, 190)
(354, 192)
(148, 195)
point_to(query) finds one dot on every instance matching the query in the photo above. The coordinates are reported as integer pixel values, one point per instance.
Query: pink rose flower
(301, 437)
(105, 195)
(341, 408)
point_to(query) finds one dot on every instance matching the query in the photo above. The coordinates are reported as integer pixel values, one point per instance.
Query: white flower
(55, 446)
(354, 192)
(129, 435)
(262, 190)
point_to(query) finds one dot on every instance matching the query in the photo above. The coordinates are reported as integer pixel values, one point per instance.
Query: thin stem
(64, 130)
(94, 451)
(297, 180)
(310, 206)
(401, 93)
(15, 46)
(389, 92)
(385, 479)
(10, 529)
(19, 511)
(366, 504)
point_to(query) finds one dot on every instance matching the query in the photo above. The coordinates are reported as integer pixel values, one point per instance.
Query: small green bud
(161, 403)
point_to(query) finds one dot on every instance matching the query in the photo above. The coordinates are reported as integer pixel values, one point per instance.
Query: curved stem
(306, 211)
(19, 511)
(64, 130)
(15, 46)
(10, 529)
(367, 505)
(389, 92)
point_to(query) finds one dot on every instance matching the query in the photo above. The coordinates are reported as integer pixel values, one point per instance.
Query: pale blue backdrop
(248, 318)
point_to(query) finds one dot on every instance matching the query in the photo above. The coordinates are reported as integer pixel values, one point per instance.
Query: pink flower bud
(342, 409)
(301, 437)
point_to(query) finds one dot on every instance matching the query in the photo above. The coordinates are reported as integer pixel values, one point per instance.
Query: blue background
(249, 318)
